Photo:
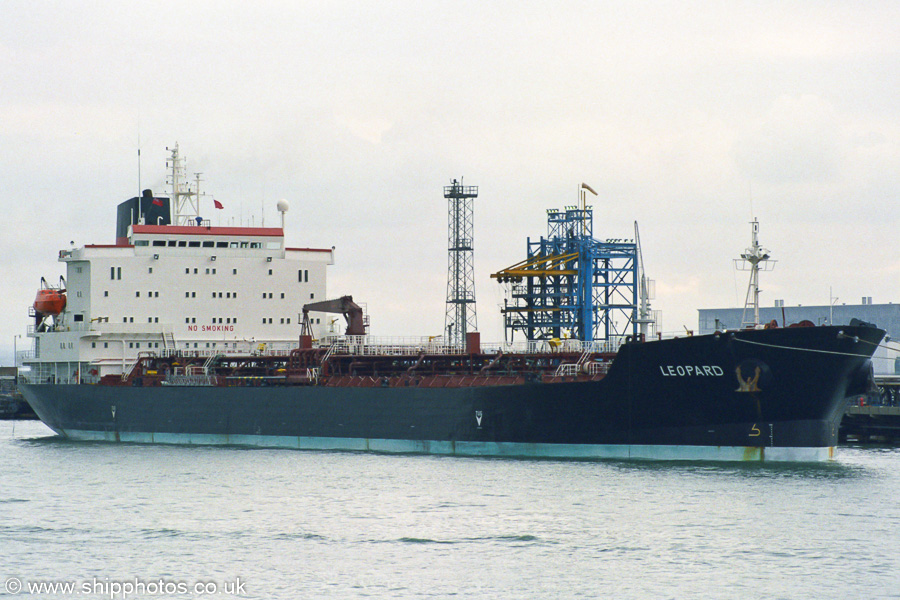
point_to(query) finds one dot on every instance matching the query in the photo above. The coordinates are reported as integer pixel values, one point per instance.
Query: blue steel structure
(572, 285)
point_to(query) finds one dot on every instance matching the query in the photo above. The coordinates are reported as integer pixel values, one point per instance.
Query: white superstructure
(189, 288)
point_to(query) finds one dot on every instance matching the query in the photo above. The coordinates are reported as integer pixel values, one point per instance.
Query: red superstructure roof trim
(199, 230)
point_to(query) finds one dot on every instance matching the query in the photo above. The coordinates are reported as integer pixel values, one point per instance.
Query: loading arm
(344, 305)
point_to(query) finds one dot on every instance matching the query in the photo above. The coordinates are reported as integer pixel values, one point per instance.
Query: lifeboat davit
(50, 301)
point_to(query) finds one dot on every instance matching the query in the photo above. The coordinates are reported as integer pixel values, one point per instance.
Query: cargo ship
(187, 333)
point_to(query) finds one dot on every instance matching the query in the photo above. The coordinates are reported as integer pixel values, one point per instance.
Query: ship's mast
(185, 202)
(757, 258)
(645, 315)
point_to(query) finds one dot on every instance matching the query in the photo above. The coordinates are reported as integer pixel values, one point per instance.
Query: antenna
(140, 191)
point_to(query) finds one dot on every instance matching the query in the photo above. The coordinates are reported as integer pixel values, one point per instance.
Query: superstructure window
(221, 244)
(172, 243)
(141, 242)
(159, 242)
(193, 244)
(182, 244)
(209, 244)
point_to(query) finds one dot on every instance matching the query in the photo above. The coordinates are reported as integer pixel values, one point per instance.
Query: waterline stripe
(498, 449)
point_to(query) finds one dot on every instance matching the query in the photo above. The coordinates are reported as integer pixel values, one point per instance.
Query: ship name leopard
(691, 370)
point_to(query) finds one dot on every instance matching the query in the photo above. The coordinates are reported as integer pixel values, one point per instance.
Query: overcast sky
(689, 117)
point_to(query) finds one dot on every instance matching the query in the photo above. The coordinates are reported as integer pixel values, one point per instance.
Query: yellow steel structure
(538, 266)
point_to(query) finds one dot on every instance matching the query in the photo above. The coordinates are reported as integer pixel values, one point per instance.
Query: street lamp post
(15, 360)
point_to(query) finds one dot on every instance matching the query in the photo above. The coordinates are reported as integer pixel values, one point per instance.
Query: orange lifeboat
(50, 301)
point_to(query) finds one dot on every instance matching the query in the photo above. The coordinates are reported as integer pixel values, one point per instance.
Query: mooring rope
(737, 339)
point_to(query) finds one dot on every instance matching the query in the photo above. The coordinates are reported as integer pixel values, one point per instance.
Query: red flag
(157, 202)
(218, 204)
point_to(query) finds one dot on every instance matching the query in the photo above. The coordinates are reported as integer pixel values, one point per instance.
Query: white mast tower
(646, 319)
(185, 201)
(757, 258)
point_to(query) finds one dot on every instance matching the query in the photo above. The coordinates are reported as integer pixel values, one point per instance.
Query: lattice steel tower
(460, 317)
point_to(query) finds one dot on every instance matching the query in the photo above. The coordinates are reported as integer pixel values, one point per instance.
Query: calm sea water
(253, 523)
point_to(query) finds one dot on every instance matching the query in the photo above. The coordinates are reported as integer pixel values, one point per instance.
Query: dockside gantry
(572, 285)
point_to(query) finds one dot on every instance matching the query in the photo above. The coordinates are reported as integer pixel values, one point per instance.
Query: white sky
(688, 117)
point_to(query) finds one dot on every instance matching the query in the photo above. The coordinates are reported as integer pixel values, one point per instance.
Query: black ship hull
(774, 394)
